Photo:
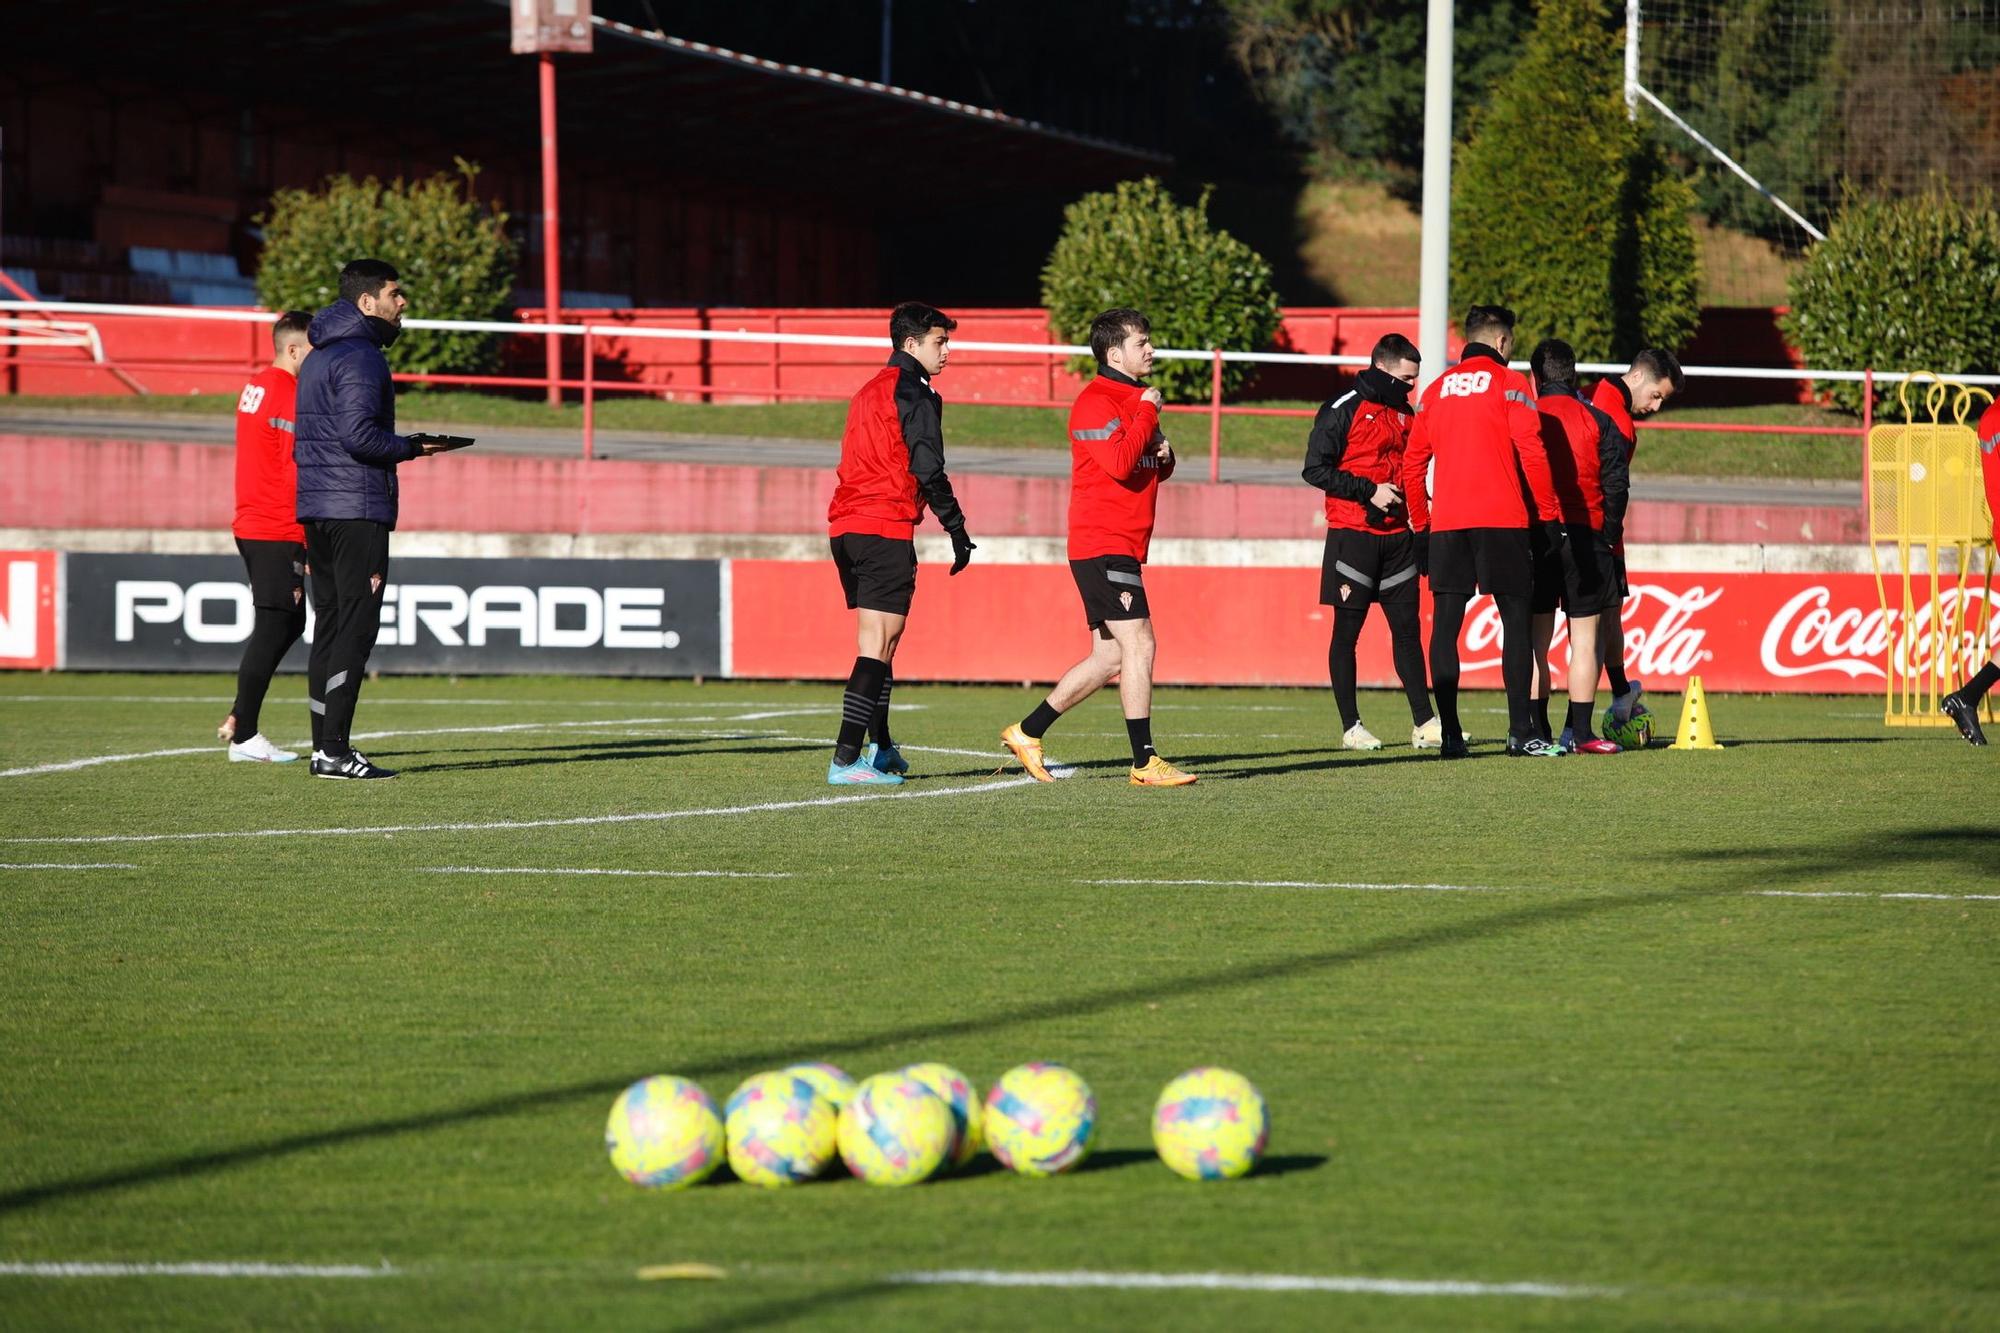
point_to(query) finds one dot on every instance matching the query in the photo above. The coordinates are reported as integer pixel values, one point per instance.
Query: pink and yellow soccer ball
(830, 1081)
(664, 1134)
(962, 1100)
(1211, 1124)
(779, 1130)
(1040, 1119)
(894, 1130)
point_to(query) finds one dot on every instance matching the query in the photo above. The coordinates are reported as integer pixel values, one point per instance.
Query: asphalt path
(757, 451)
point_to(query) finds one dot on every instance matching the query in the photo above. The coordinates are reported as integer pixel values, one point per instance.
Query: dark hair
(293, 323)
(914, 319)
(1484, 320)
(1554, 362)
(1113, 327)
(1393, 347)
(364, 277)
(1659, 365)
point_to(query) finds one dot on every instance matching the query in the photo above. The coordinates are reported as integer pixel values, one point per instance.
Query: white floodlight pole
(1434, 291)
(1632, 59)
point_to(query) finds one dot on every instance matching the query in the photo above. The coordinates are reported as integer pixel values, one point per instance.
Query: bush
(1903, 284)
(452, 252)
(1563, 210)
(1135, 246)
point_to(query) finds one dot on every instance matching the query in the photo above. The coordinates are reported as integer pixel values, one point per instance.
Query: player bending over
(891, 466)
(1355, 455)
(1655, 376)
(1962, 705)
(1118, 458)
(268, 536)
(1491, 483)
(1587, 465)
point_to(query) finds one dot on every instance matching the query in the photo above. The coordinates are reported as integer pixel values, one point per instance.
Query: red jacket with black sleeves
(1612, 398)
(892, 457)
(1586, 460)
(267, 479)
(1478, 420)
(1989, 463)
(1115, 473)
(1356, 445)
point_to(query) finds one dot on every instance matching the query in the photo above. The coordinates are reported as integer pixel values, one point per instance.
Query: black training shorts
(1112, 589)
(277, 573)
(876, 573)
(1580, 576)
(1363, 567)
(1490, 560)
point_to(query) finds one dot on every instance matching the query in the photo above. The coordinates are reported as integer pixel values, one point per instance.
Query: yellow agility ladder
(1925, 498)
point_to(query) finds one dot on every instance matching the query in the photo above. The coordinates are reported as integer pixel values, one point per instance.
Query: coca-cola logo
(1810, 634)
(1661, 638)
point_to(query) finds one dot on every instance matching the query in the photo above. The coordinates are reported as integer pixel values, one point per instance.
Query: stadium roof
(440, 75)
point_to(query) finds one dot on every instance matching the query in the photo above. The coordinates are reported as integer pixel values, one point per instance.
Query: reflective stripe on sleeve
(1516, 396)
(1110, 429)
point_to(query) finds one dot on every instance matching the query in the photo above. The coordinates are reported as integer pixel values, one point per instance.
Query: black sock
(878, 726)
(1983, 680)
(1040, 720)
(1579, 721)
(1614, 671)
(1517, 662)
(1448, 619)
(1140, 730)
(1406, 644)
(1347, 623)
(857, 707)
(1541, 719)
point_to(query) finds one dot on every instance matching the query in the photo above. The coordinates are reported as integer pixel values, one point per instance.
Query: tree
(1563, 209)
(1136, 246)
(452, 251)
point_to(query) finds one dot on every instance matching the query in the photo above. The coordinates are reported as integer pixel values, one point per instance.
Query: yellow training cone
(1695, 732)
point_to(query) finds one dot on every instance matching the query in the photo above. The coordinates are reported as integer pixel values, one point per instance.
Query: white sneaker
(258, 750)
(1430, 735)
(1359, 737)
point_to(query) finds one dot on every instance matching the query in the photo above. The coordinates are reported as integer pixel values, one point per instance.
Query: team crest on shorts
(1345, 589)
(1125, 600)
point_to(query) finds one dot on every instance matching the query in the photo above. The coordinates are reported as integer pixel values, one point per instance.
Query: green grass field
(1661, 453)
(1518, 1022)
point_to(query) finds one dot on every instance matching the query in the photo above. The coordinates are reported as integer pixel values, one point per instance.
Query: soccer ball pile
(900, 1128)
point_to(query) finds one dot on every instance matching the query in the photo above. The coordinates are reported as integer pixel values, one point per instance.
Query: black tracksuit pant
(350, 569)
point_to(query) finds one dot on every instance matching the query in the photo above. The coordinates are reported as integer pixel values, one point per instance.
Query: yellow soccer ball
(1211, 1124)
(663, 1133)
(1040, 1119)
(894, 1130)
(962, 1099)
(830, 1081)
(779, 1129)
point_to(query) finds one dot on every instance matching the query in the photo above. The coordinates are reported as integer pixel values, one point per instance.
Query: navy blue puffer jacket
(346, 446)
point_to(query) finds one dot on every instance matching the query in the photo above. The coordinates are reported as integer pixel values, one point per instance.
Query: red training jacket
(1114, 477)
(267, 478)
(1357, 443)
(1478, 420)
(892, 457)
(1586, 458)
(1614, 400)
(1989, 463)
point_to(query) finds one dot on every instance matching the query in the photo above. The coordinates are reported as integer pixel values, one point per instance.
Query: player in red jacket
(1655, 376)
(1472, 516)
(1587, 464)
(891, 467)
(1355, 456)
(1118, 458)
(268, 536)
(1962, 704)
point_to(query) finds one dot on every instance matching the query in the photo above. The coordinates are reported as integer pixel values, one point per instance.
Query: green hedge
(452, 251)
(1563, 210)
(1137, 246)
(1901, 284)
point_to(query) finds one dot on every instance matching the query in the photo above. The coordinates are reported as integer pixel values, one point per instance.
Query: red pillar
(551, 230)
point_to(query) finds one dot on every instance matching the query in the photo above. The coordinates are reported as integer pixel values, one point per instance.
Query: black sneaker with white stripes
(350, 765)
(1965, 716)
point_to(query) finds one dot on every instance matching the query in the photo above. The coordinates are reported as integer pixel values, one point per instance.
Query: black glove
(961, 550)
(1614, 532)
(1554, 533)
(1420, 544)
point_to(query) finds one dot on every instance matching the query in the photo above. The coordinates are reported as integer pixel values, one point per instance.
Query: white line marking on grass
(443, 702)
(194, 1270)
(1304, 884)
(594, 870)
(1830, 893)
(1373, 1286)
(66, 865)
(506, 825)
(70, 765)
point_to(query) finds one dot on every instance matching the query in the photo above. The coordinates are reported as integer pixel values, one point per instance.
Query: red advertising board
(1803, 633)
(28, 610)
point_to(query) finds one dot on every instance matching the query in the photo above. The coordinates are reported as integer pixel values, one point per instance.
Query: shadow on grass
(599, 755)
(1966, 848)
(808, 1306)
